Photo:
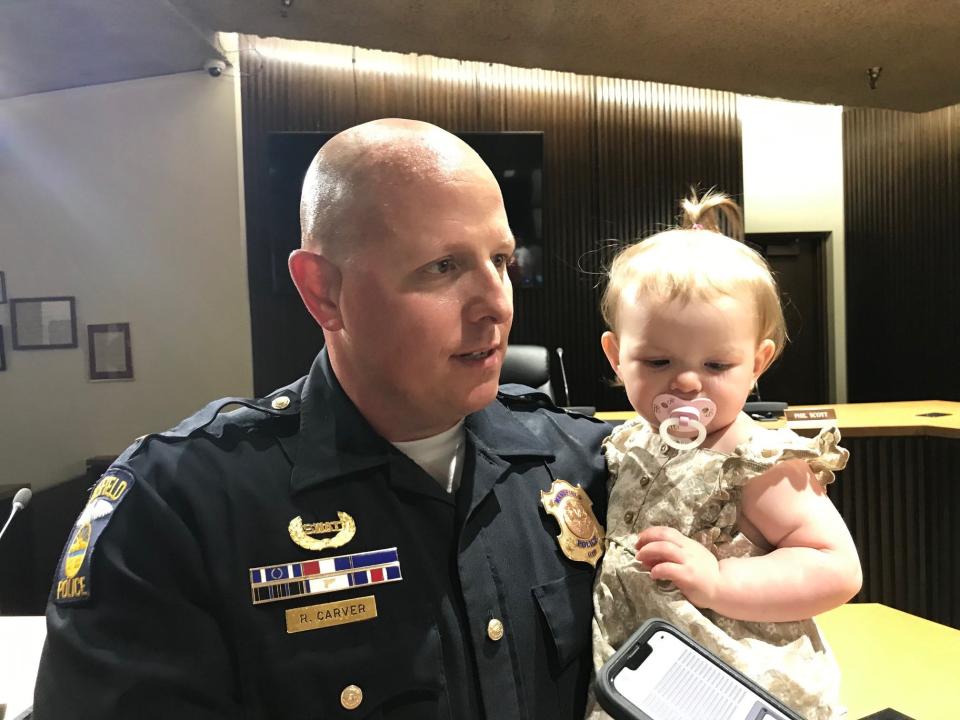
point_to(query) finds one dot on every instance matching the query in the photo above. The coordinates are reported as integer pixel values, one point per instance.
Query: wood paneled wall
(900, 498)
(901, 184)
(618, 154)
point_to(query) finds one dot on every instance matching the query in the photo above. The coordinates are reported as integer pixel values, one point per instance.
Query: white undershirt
(440, 455)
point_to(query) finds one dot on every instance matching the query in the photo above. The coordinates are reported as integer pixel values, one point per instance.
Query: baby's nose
(687, 381)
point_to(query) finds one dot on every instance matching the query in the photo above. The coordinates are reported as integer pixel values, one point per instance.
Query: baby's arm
(813, 568)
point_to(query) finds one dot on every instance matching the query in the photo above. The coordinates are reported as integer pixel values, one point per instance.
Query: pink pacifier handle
(685, 418)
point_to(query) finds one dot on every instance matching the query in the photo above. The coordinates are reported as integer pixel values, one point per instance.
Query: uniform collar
(336, 440)
(502, 433)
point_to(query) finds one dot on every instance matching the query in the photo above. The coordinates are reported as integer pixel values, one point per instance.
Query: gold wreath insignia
(300, 532)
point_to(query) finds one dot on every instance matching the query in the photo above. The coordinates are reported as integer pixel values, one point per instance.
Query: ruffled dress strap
(768, 447)
(628, 439)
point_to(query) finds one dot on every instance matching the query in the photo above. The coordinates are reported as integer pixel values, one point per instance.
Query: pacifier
(685, 418)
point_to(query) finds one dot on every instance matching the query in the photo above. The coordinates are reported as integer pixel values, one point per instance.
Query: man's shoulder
(221, 426)
(536, 407)
(573, 439)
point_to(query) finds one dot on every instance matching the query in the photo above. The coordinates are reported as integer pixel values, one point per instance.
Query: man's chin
(479, 397)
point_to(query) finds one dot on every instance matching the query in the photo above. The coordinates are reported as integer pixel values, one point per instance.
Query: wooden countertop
(889, 658)
(874, 419)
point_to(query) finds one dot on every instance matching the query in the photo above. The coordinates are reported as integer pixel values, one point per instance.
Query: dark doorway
(800, 375)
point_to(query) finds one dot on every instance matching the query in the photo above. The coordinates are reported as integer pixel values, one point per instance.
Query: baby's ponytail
(705, 213)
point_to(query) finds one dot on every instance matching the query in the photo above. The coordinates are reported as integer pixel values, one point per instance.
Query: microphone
(563, 375)
(20, 501)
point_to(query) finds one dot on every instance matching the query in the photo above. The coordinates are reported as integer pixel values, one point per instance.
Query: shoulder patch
(72, 584)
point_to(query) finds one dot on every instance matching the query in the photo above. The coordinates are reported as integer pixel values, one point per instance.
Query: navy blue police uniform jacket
(181, 593)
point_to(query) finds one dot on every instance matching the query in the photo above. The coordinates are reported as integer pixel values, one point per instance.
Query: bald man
(392, 536)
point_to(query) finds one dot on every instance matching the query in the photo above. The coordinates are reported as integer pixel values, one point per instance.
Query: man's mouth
(478, 355)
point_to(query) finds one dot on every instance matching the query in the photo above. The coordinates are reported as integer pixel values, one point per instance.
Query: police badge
(581, 536)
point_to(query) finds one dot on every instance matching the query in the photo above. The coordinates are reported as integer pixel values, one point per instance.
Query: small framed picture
(3, 287)
(3, 352)
(46, 323)
(110, 355)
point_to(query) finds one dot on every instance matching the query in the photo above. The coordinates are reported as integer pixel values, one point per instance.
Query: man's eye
(441, 267)
(502, 260)
(658, 363)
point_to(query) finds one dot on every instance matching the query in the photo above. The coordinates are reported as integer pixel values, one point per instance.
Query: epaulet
(280, 403)
(513, 394)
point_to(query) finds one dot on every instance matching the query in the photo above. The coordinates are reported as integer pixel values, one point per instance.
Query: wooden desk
(900, 497)
(891, 659)
(897, 418)
(872, 419)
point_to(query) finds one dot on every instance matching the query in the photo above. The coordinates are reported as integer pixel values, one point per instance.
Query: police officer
(391, 536)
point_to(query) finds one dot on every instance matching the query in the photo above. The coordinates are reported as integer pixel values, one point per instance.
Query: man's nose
(492, 295)
(686, 381)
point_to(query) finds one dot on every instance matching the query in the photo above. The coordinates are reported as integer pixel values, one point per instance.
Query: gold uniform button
(280, 403)
(351, 697)
(494, 629)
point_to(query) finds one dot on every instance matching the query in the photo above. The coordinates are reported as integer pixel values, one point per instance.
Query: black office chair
(527, 365)
(762, 410)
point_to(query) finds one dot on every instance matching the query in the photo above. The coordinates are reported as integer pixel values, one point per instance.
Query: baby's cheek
(727, 411)
(638, 400)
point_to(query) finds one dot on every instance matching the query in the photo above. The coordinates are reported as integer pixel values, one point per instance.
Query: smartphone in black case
(662, 674)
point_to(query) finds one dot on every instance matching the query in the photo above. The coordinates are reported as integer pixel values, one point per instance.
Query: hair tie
(696, 226)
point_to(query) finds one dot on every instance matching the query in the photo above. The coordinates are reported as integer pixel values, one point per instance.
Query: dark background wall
(902, 208)
(618, 155)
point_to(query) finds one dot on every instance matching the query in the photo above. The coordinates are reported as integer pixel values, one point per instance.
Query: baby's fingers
(659, 533)
(654, 553)
(673, 572)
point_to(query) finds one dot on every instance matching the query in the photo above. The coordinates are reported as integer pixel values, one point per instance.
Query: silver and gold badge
(581, 536)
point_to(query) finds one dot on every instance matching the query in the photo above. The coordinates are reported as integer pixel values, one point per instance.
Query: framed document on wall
(44, 323)
(111, 357)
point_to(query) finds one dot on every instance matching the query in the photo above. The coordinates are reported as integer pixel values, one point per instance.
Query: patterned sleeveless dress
(698, 493)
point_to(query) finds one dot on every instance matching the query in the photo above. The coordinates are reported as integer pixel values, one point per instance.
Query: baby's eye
(718, 367)
(657, 363)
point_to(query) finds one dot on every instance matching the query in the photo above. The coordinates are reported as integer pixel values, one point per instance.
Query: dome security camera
(215, 68)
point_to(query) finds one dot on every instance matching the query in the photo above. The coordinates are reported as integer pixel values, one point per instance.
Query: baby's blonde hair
(696, 260)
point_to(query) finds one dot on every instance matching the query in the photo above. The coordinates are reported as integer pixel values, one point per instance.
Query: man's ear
(763, 358)
(611, 348)
(318, 282)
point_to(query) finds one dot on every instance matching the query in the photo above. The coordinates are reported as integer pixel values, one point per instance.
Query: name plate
(315, 617)
(810, 418)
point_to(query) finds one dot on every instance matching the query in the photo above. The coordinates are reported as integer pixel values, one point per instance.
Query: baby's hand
(671, 555)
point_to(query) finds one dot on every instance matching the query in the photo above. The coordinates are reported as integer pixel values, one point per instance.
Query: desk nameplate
(810, 418)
